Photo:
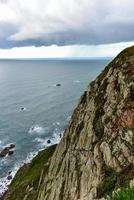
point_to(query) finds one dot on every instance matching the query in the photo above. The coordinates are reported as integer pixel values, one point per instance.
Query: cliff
(96, 154)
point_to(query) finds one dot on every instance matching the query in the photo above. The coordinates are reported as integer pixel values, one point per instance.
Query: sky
(65, 28)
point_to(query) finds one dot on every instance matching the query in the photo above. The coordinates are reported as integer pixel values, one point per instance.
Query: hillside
(96, 154)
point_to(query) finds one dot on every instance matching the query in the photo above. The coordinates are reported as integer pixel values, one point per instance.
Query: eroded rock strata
(96, 153)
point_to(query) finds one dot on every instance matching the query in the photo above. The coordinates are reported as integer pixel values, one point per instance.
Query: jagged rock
(96, 151)
(4, 152)
(7, 151)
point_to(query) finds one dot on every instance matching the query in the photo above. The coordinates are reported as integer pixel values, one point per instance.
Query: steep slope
(96, 153)
(27, 180)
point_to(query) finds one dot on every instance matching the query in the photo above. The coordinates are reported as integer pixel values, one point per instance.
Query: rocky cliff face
(96, 153)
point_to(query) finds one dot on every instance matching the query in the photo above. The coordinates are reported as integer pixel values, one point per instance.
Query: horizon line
(59, 58)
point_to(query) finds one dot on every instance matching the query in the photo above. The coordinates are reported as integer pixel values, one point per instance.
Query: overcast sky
(50, 28)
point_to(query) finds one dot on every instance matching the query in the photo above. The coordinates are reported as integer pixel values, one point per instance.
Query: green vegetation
(128, 51)
(122, 194)
(27, 179)
(109, 183)
(114, 180)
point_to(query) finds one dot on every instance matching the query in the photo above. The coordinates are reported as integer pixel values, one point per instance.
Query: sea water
(33, 109)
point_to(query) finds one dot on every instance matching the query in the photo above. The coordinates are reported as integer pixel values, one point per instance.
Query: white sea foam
(37, 129)
(23, 109)
(30, 156)
(54, 85)
(42, 142)
(55, 139)
(0, 143)
(56, 123)
(68, 118)
(4, 182)
(76, 81)
(56, 136)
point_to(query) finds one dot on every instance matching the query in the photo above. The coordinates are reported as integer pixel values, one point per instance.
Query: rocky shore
(96, 154)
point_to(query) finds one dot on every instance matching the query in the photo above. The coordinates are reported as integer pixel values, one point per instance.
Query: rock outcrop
(9, 150)
(96, 153)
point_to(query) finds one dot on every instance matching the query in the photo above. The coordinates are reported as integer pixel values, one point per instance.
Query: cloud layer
(54, 51)
(65, 22)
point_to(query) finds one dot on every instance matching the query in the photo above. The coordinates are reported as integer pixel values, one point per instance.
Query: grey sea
(31, 85)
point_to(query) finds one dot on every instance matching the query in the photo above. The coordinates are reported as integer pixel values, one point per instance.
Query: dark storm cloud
(61, 22)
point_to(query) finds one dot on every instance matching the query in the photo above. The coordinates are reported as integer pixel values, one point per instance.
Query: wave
(1, 143)
(68, 118)
(56, 123)
(5, 181)
(54, 139)
(76, 81)
(37, 129)
(43, 143)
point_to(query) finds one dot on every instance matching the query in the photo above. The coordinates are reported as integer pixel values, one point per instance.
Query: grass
(108, 184)
(122, 194)
(28, 176)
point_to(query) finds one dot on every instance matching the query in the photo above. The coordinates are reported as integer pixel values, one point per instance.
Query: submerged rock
(96, 152)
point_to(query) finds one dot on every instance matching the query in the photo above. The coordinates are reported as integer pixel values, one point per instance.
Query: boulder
(7, 150)
(9, 177)
(4, 152)
(48, 141)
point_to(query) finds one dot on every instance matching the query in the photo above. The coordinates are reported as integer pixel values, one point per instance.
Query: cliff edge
(96, 153)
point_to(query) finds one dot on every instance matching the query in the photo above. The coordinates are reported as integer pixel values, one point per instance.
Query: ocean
(33, 109)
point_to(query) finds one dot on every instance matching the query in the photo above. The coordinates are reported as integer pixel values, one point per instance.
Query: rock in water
(12, 146)
(7, 150)
(96, 152)
(9, 177)
(58, 84)
(4, 152)
(48, 141)
(10, 152)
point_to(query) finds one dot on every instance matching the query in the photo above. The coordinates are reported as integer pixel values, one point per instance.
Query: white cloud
(65, 51)
(59, 21)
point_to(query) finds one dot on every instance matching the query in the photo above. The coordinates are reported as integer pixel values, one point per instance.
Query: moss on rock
(26, 181)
